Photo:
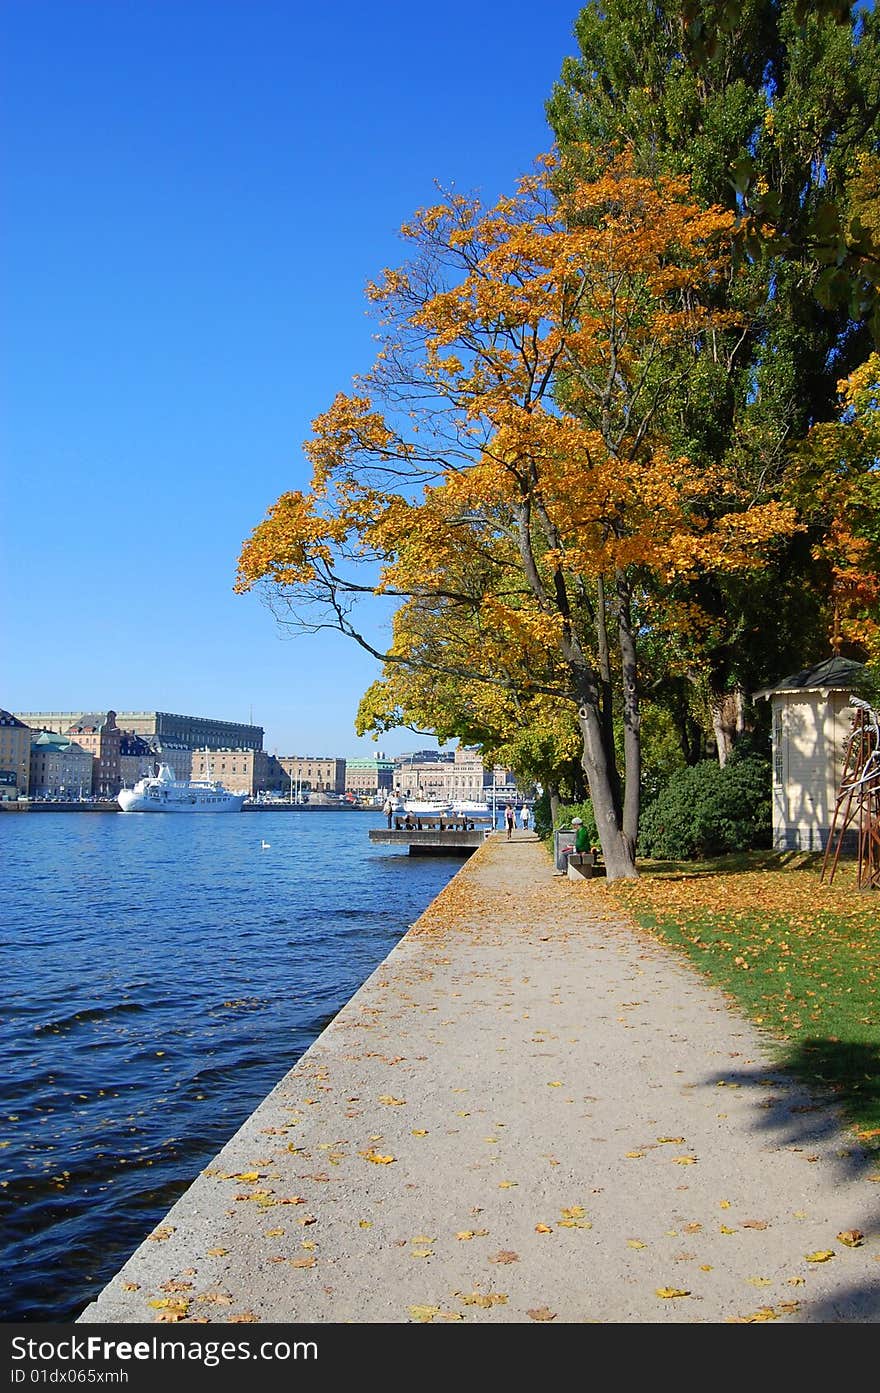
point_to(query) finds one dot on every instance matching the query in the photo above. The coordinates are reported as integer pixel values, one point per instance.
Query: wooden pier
(434, 836)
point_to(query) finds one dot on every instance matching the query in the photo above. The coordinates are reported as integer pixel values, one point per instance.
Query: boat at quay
(163, 793)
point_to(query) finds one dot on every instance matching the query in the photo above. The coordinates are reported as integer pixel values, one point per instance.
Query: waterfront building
(192, 732)
(366, 778)
(426, 757)
(313, 773)
(101, 737)
(178, 757)
(462, 777)
(60, 767)
(239, 771)
(15, 757)
(137, 759)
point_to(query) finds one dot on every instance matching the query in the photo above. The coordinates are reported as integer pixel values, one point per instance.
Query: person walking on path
(509, 820)
(524, 817)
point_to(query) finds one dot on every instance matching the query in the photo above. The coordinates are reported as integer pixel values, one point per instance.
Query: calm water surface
(158, 975)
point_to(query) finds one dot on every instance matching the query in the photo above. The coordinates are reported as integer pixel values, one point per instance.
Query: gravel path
(530, 1111)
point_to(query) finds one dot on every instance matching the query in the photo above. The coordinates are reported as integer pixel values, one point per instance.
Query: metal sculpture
(858, 799)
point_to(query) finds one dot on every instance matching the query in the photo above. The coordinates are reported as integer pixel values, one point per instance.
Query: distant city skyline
(196, 195)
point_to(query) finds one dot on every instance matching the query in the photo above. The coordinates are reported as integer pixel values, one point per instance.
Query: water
(158, 976)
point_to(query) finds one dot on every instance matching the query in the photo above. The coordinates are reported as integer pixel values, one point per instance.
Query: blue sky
(196, 193)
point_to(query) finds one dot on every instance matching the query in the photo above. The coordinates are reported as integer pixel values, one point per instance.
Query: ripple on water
(162, 977)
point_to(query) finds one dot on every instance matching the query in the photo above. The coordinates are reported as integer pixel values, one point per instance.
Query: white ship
(163, 793)
(425, 807)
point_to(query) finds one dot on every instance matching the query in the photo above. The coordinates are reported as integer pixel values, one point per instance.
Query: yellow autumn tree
(504, 468)
(835, 483)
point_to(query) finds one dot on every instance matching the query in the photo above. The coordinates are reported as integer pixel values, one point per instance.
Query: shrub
(706, 811)
(541, 815)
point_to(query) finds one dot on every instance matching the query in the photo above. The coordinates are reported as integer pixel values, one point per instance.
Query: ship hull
(131, 802)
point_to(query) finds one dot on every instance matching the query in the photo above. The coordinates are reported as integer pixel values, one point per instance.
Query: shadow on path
(837, 1080)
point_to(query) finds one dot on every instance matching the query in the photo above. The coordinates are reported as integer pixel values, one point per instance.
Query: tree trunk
(728, 720)
(606, 704)
(616, 850)
(553, 795)
(632, 717)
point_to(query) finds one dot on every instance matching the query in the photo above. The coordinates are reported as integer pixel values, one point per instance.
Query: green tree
(771, 108)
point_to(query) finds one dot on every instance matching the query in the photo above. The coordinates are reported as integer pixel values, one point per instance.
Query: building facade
(240, 771)
(195, 732)
(811, 725)
(177, 757)
(137, 759)
(15, 757)
(367, 778)
(313, 773)
(60, 767)
(192, 732)
(101, 736)
(462, 778)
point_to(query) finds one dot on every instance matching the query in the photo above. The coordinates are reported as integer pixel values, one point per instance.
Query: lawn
(802, 959)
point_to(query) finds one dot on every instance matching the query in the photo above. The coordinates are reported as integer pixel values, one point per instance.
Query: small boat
(162, 793)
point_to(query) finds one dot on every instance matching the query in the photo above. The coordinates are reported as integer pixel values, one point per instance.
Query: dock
(434, 836)
(532, 1111)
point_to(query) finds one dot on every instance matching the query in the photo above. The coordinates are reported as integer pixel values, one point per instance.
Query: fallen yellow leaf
(765, 1313)
(822, 1255)
(484, 1300)
(635, 1243)
(541, 1313)
(423, 1314)
(684, 1160)
(852, 1238)
(668, 1292)
(391, 1102)
(377, 1159)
